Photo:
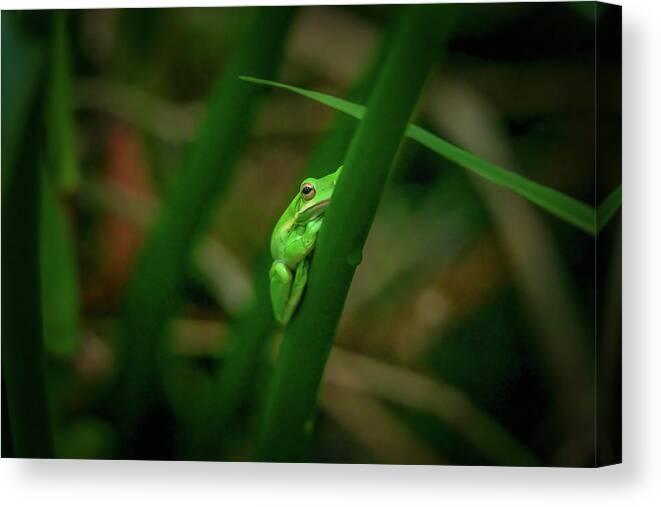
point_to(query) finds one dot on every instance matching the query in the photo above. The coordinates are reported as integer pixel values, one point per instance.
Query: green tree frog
(293, 241)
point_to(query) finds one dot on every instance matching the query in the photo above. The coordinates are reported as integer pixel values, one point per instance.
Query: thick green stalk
(154, 291)
(309, 337)
(22, 341)
(59, 287)
(22, 338)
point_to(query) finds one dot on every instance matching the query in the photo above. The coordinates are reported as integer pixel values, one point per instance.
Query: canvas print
(384, 234)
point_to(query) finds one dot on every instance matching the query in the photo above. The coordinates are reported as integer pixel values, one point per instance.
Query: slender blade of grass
(61, 139)
(607, 209)
(59, 278)
(22, 341)
(562, 206)
(154, 291)
(308, 338)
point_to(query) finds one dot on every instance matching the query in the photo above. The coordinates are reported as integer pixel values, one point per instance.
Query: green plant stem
(154, 291)
(60, 300)
(309, 337)
(22, 338)
(61, 139)
(22, 341)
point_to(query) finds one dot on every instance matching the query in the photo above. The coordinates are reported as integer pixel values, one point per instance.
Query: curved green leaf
(562, 206)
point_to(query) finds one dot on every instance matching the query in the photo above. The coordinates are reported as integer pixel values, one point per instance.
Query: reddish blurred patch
(119, 237)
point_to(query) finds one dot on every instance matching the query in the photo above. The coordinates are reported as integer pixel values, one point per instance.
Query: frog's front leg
(300, 246)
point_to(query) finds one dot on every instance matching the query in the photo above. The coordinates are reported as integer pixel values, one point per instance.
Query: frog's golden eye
(308, 191)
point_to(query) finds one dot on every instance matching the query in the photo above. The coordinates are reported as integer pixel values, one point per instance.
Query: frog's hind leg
(297, 288)
(281, 283)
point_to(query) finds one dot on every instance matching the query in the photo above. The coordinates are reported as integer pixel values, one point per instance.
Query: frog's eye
(308, 191)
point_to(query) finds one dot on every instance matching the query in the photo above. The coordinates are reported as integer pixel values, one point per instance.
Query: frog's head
(315, 195)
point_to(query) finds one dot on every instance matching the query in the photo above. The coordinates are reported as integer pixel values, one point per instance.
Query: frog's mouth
(312, 212)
